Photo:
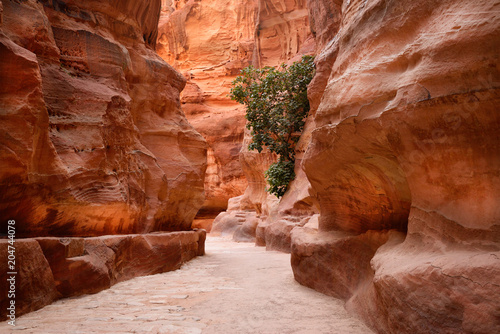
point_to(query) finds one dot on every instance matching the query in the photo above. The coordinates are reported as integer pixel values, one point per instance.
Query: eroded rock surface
(50, 268)
(403, 161)
(210, 42)
(94, 141)
(33, 284)
(235, 222)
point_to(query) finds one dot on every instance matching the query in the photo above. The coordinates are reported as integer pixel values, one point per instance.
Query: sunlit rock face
(210, 42)
(94, 141)
(403, 160)
(283, 31)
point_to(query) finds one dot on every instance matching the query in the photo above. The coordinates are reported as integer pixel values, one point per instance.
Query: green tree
(276, 108)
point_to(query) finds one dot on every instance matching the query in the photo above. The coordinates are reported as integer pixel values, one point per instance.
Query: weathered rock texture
(404, 162)
(210, 42)
(34, 285)
(51, 268)
(93, 138)
(236, 222)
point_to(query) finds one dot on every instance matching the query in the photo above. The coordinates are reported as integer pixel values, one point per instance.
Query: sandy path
(234, 288)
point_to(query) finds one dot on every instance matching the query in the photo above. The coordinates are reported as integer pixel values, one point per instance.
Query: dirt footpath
(235, 288)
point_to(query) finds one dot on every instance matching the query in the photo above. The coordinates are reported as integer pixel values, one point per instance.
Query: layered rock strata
(51, 268)
(210, 42)
(403, 161)
(94, 141)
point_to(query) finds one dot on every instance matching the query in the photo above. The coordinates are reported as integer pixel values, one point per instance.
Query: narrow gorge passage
(235, 288)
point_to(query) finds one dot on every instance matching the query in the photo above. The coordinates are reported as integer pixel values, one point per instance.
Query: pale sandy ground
(235, 288)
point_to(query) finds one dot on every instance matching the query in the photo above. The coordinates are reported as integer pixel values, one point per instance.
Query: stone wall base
(51, 268)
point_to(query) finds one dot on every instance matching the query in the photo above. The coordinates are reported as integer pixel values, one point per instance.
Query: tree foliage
(277, 106)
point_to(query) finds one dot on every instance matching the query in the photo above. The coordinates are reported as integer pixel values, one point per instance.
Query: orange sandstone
(94, 138)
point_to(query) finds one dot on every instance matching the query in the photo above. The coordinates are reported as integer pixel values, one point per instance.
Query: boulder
(34, 285)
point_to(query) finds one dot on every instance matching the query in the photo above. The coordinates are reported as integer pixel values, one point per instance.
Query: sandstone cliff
(403, 161)
(395, 206)
(210, 42)
(94, 140)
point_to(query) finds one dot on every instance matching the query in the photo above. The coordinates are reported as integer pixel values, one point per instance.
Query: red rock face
(406, 139)
(283, 31)
(94, 139)
(210, 42)
(34, 282)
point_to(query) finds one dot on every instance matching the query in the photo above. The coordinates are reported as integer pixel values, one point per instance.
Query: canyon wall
(210, 42)
(395, 205)
(93, 138)
(404, 163)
